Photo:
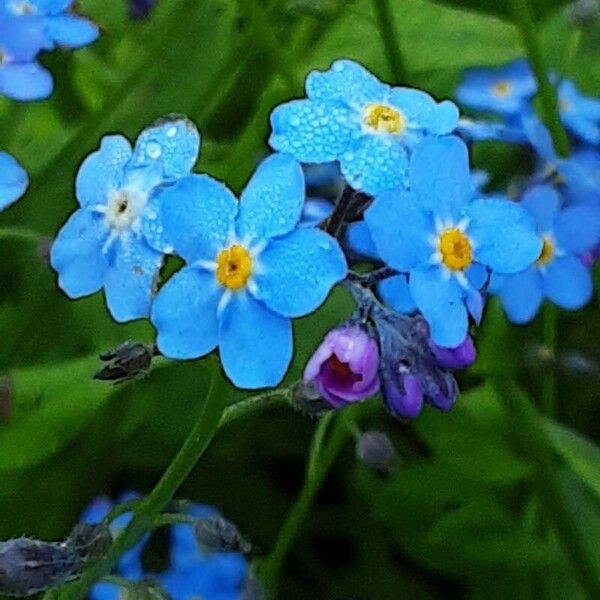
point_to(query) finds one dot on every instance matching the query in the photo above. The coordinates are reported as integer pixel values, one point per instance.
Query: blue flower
(558, 273)
(483, 131)
(368, 126)
(503, 90)
(13, 180)
(114, 240)
(445, 239)
(579, 114)
(249, 270)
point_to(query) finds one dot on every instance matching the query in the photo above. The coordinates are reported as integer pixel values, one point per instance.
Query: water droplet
(153, 150)
(172, 132)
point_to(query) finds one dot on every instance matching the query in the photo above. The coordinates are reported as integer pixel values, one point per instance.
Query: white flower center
(124, 210)
(22, 7)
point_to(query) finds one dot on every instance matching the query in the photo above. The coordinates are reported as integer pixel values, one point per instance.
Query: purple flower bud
(403, 395)
(461, 357)
(376, 451)
(345, 366)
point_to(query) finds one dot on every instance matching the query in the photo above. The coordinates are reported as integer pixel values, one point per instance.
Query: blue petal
(185, 550)
(77, 255)
(315, 211)
(195, 218)
(577, 228)
(298, 271)
(568, 283)
(255, 344)
(477, 275)
(102, 171)
(105, 591)
(440, 300)
(395, 292)
(13, 180)
(521, 295)
(312, 131)
(185, 314)
(25, 82)
(130, 282)
(474, 303)
(423, 112)
(539, 137)
(375, 163)
(360, 241)
(440, 176)
(51, 7)
(504, 235)
(479, 131)
(70, 31)
(582, 127)
(21, 39)
(348, 82)
(272, 202)
(400, 230)
(543, 203)
(174, 143)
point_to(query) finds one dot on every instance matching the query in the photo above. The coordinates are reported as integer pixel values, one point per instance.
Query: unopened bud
(90, 542)
(307, 399)
(583, 12)
(128, 361)
(217, 534)
(375, 450)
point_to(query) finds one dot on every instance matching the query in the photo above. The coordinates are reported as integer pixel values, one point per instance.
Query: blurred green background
(460, 517)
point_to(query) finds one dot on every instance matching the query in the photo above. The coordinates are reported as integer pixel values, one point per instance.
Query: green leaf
(541, 8)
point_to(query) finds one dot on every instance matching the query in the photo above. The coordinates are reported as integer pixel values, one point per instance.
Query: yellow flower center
(547, 253)
(384, 119)
(455, 249)
(502, 89)
(234, 267)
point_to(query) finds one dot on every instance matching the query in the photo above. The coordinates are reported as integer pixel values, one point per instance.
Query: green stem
(549, 379)
(533, 442)
(255, 404)
(390, 37)
(20, 234)
(146, 514)
(547, 93)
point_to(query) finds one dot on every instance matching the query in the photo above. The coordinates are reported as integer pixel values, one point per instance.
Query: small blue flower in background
(443, 237)
(579, 114)
(484, 131)
(138, 9)
(107, 243)
(13, 180)
(366, 125)
(558, 274)
(505, 90)
(249, 271)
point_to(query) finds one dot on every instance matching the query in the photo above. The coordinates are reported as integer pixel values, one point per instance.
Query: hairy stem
(251, 405)
(20, 234)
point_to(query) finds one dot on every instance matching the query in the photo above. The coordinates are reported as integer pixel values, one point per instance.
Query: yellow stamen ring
(234, 267)
(547, 253)
(383, 119)
(456, 250)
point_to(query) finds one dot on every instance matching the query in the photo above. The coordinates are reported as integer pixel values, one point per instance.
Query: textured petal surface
(77, 254)
(346, 81)
(71, 31)
(375, 163)
(13, 180)
(185, 314)
(298, 271)
(440, 301)
(130, 282)
(360, 240)
(313, 131)
(195, 218)
(102, 171)
(577, 228)
(423, 112)
(26, 82)
(255, 344)
(543, 203)
(272, 202)
(440, 176)
(394, 291)
(521, 295)
(568, 283)
(504, 235)
(400, 229)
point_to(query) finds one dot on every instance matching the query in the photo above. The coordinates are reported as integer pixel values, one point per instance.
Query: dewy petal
(77, 256)
(348, 82)
(70, 31)
(13, 180)
(174, 143)
(400, 229)
(313, 131)
(521, 295)
(504, 235)
(358, 237)
(130, 282)
(25, 82)
(272, 202)
(184, 314)
(298, 271)
(255, 343)
(51, 7)
(375, 163)
(440, 300)
(543, 203)
(440, 176)
(568, 283)
(423, 112)
(194, 217)
(102, 171)
(577, 228)
(394, 291)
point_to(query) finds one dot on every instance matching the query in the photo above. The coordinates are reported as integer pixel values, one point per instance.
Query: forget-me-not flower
(249, 271)
(558, 274)
(443, 237)
(13, 180)
(366, 125)
(579, 114)
(107, 242)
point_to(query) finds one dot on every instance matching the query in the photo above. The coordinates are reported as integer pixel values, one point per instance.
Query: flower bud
(345, 366)
(375, 450)
(217, 534)
(307, 399)
(461, 357)
(128, 361)
(90, 542)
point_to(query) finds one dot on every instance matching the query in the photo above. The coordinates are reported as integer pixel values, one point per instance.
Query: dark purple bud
(461, 357)
(138, 9)
(217, 534)
(345, 366)
(307, 399)
(403, 394)
(128, 361)
(375, 450)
